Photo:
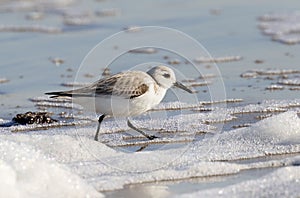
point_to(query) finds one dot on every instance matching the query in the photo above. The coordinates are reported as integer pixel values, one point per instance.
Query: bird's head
(165, 77)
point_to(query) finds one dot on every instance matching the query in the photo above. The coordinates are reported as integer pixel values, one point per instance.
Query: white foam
(25, 172)
(255, 141)
(283, 182)
(217, 59)
(3, 80)
(293, 81)
(30, 28)
(107, 169)
(284, 127)
(274, 135)
(265, 106)
(282, 27)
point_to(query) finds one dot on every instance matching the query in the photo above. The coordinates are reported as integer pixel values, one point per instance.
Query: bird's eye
(166, 75)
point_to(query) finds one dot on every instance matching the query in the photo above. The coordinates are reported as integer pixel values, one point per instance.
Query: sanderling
(127, 93)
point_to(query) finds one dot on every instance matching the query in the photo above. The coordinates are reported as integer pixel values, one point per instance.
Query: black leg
(142, 148)
(98, 128)
(150, 137)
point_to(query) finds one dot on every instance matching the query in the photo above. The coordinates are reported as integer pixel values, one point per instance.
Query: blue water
(25, 56)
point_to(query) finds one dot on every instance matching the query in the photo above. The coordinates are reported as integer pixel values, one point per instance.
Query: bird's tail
(59, 94)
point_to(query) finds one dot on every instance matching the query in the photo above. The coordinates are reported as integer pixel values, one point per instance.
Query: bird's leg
(150, 137)
(98, 128)
(142, 148)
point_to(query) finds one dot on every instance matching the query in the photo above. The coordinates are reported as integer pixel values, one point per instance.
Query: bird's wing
(128, 85)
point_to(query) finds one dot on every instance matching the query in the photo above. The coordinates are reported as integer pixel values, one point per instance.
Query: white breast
(147, 101)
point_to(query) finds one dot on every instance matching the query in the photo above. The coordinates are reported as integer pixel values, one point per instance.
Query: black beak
(181, 86)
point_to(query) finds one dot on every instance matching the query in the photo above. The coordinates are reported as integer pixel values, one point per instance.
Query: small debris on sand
(33, 118)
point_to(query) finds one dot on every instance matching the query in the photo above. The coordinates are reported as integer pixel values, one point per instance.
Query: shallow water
(224, 29)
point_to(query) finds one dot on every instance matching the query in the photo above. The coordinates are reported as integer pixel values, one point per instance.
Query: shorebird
(127, 93)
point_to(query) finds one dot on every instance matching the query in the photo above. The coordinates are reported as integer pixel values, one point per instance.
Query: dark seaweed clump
(33, 118)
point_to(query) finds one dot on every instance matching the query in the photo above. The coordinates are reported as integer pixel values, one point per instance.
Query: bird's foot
(151, 137)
